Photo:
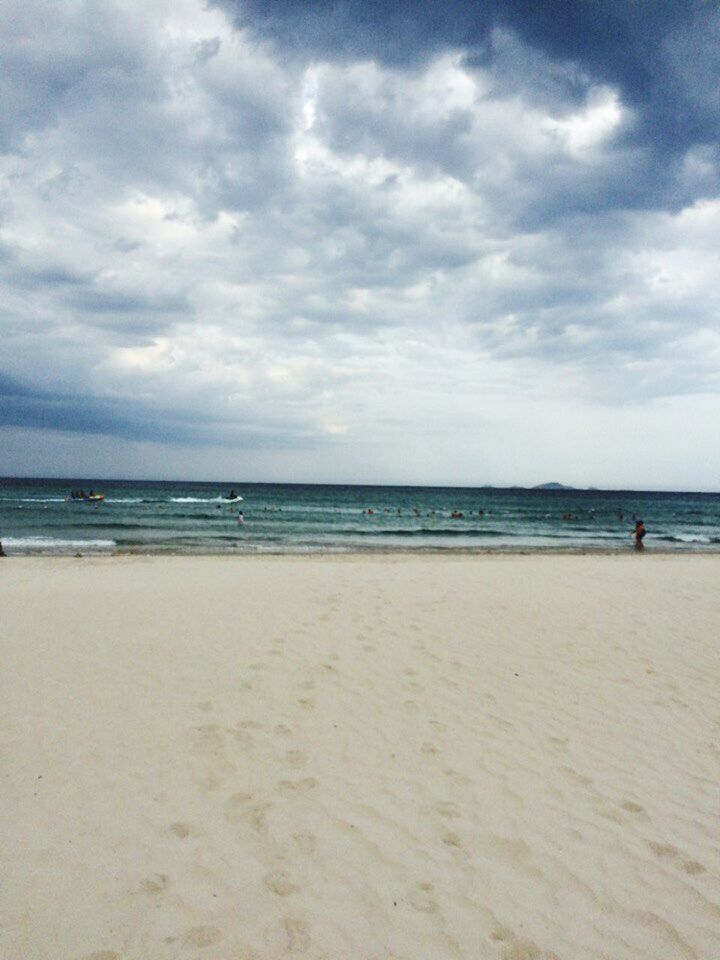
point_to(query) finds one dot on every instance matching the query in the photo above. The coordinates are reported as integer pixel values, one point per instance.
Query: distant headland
(553, 486)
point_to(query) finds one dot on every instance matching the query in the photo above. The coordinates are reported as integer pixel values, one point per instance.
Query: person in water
(639, 534)
(241, 519)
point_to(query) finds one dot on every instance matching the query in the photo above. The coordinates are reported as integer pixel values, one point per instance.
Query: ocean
(192, 517)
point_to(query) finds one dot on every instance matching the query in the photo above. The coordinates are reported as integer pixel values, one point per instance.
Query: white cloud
(584, 132)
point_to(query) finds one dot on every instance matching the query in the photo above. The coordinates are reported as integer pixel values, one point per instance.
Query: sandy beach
(417, 758)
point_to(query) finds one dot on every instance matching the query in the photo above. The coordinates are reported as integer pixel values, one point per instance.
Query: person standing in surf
(639, 534)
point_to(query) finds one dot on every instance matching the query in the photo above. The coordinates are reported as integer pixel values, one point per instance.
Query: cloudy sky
(361, 241)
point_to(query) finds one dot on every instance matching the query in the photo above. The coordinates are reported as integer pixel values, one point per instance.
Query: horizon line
(540, 488)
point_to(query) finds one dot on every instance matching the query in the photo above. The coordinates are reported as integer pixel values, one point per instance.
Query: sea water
(192, 517)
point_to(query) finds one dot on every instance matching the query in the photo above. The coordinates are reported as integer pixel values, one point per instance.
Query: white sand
(513, 758)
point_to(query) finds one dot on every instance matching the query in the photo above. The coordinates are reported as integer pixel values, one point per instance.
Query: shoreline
(693, 550)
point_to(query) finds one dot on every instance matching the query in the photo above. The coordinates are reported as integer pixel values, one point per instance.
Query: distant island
(560, 486)
(552, 486)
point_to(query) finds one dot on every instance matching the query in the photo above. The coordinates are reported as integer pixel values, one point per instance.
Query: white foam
(204, 499)
(54, 545)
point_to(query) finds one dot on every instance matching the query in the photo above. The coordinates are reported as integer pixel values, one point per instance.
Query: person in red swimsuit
(640, 532)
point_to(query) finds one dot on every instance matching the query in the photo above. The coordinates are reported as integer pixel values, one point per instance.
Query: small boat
(80, 497)
(233, 497)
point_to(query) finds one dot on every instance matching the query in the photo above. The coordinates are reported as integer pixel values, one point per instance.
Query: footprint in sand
(429, 749)
(155, 884)
(237, 801)
(201, 937)
(525, 950)
(249, 725)
(257, 814)
(282, 730)
(298, 934)
(458, 777)
(240, 806)
(306, 841)
(612, 815)
(181, 830)
(280, 884)
(632, 807)
(576, 777)
(296, 758)
(421, 899)
(307, 783)
(666, 851)
(451, 839)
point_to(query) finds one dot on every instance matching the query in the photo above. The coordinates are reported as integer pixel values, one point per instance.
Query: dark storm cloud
(27, 406)
(617, 41)
(663, 57)
(24, 405)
